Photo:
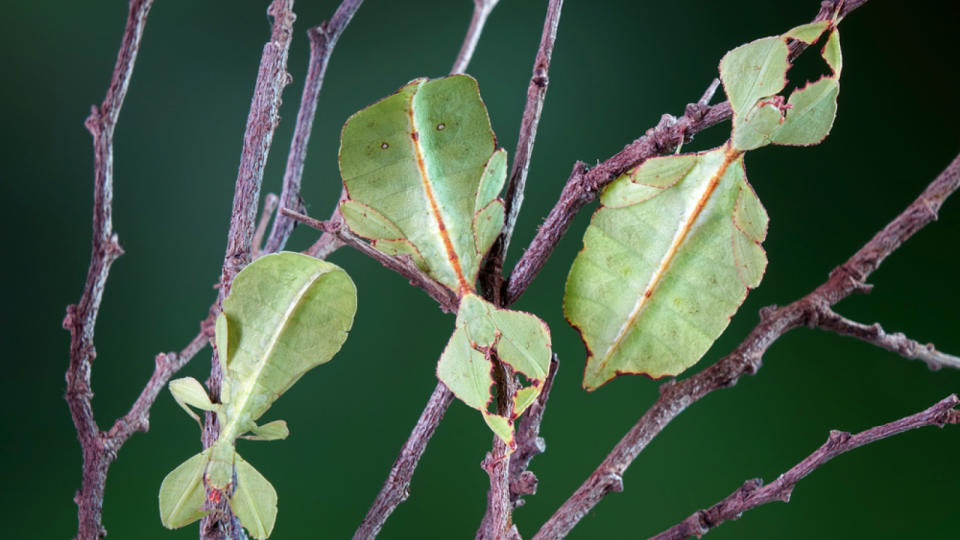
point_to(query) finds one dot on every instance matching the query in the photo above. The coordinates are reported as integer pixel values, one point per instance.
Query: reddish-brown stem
(897, 342)
(529, 442)
(99, 449)
(753, 493)
(746, 359)
(402, 265)
(397, 487)
(323, 38)
(262, 120)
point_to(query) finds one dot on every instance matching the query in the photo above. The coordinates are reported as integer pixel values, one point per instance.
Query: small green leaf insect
(286, 314)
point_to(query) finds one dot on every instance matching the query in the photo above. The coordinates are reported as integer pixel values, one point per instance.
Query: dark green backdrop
(617, 67)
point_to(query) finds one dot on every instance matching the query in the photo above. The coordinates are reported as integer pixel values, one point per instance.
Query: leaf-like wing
(286, 313)
(421, 162)
(657, 281)
(182, 493)
(188, 391)
(271, 431)
(254, 501)
(518, 339)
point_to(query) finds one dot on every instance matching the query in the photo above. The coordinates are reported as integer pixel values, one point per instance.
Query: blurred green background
(617, 67)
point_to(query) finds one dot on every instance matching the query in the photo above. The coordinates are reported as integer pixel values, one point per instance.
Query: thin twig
(481, 10)
(676, 396)
(536, 93)
(583, 186)
(529, 442)
(397, 487)
(328, 243)
(269, 205)
(403, 265)
(272, 78)
(897, 343)
(753, 493)
(323, 39)
(81, 318)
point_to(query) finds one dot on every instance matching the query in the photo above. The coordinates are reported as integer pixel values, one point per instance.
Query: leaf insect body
(286, 314)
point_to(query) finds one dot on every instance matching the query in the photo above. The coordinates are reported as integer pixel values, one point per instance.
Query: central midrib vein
(465, 286)
(730, 155)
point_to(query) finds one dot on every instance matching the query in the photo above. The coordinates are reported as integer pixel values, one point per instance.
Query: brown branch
(529, 442)
(402, 265)
(513, 199)
(262, 120)
(481, 10)
(323, 39)
(584, 185)
(676, 396)
(897, 343)
(397, 487)
(753, 493)
(81, 318)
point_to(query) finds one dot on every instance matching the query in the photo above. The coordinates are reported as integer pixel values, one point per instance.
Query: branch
(584, 185)
(676, 396)
(401, 264)
(897, 343)
(481, 10)
(529, 442)
(536, 93)
(105, 248)
(753, 493)
(166, 364)
(262, 120)
(323, 39)
(397, 487)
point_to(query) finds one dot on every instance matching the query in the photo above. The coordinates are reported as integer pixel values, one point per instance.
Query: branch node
(614, 482)
(767, 312)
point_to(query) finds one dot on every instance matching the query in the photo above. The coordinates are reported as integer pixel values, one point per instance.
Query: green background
(617, 67)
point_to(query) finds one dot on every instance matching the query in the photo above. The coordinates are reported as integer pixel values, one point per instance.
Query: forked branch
(746, 359)
(323, 38)
(99, 449)
(753, 493)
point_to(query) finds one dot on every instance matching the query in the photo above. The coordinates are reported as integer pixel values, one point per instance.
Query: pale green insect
(286, 313)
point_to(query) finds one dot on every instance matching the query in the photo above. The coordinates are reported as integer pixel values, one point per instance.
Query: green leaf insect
(423, 175)
(286, 314)
(676, 245)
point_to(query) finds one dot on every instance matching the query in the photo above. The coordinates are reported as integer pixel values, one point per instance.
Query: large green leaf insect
(423, 174)
(286, 314)
(675, 246)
